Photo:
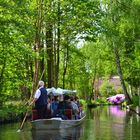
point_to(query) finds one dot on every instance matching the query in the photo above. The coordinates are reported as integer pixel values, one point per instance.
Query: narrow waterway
(101, 123)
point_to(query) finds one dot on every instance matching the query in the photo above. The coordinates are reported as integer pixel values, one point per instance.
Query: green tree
(119, 31)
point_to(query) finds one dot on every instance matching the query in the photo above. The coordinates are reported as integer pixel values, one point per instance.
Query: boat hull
(55, 123)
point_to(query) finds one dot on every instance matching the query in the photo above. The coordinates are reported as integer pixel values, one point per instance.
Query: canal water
(101, 123)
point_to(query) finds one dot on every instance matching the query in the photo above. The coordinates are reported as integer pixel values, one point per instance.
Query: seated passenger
(54, 106)
(75, 108)
(48, 115)
(64, 105)
(77, 101)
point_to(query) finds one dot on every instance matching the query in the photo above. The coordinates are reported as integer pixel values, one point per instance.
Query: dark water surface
(101, 123)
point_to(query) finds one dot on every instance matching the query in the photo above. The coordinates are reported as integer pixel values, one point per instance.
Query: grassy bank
(11, 112)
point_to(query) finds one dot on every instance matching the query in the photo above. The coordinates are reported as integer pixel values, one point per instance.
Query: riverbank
(130, 108)
(11, 113)
(134, 109)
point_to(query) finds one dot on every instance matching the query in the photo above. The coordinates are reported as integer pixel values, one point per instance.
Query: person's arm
(36, 96)
(33, 101)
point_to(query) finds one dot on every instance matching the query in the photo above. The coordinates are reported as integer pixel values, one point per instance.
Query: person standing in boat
(40, 100)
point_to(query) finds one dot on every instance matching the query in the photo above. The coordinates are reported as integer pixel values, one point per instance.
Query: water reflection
(118, 121)
(102, 123)
(111, 122)
(63, 134)
(116, 111)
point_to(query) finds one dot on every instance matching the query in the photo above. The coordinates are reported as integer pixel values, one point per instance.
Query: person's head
(61, 98)
(72, 98)
(66, 97)
(41, 83)
(56, 98)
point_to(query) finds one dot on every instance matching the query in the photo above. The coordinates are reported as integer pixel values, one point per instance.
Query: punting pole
(21, 126)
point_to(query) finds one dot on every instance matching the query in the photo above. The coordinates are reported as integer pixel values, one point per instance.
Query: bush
(100, 101)
(135, 100)
(107, 89)
(11, 112)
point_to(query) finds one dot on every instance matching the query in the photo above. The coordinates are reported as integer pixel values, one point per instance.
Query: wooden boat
(56, 123)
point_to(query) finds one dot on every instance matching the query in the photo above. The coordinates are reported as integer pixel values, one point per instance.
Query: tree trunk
(50, 54)
(130, 89)
(42, 67)
(35, 77)
(2, 82)
(1, 75)
(65, 64)
(120, 73)
(93, 83)
(37, 46)
(139, 93)
(58, 47)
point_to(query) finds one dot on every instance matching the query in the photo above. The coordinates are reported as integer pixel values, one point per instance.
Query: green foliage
(11, 112)
(119, 90)
(100, 101)
(135, 100)
(121, 30)
(98, 23)
(83, 103)
(16, 55)
(107, 89)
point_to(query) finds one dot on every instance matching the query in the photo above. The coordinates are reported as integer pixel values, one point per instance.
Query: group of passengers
(69, 103)
(55, 106)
